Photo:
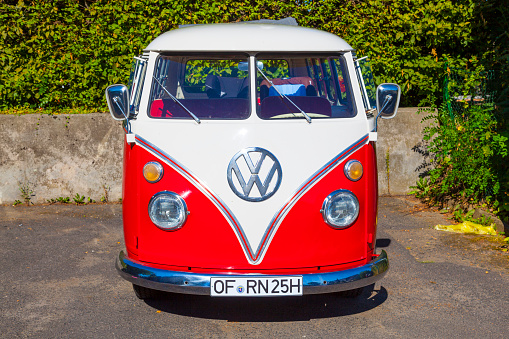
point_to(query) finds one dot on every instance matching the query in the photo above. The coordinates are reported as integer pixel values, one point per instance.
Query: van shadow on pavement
(269, 309)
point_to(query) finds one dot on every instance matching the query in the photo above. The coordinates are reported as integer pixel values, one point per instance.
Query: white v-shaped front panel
(305, 153)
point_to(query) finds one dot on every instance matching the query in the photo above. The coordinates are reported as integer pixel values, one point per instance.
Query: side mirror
(117, 97)
(387, 100)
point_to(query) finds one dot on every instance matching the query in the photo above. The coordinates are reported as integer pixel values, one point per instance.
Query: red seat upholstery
(225, 108)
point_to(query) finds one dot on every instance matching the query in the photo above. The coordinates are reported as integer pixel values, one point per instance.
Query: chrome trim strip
(197, 283)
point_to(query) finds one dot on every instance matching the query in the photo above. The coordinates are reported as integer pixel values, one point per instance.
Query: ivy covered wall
(64, 53)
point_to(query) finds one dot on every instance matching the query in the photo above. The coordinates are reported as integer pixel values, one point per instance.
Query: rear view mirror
(244, 65)
(387, 100)
(117, 97)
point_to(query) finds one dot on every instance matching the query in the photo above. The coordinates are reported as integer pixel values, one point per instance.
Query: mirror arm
(128, 124)
(387, 100)
(116, 101)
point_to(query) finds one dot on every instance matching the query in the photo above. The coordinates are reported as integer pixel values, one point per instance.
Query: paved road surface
(57, 279)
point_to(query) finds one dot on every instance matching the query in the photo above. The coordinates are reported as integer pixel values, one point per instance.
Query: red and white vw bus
(249, 163)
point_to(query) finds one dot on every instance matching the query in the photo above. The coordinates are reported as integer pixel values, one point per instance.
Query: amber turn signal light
(153, 171)
(353, 170)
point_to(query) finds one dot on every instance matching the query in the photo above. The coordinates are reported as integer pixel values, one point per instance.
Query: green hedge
(468, 137)
(61, 54)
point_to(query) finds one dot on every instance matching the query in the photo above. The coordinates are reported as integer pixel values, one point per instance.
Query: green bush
(61, 54)
(468, 142)
(465, 155)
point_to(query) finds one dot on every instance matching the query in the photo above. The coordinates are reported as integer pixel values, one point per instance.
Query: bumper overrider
(197, 283)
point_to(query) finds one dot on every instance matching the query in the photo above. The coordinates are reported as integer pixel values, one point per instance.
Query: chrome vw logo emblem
(260, 168)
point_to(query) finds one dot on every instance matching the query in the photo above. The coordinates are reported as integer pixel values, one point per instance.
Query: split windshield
(218, 87)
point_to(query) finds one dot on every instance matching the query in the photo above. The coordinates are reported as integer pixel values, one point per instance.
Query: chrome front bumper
(197, 283)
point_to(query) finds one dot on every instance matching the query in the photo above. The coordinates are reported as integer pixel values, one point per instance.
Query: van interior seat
(307, 82)
(288, 90)
(273, 106)
(227, 108)
(226, 87)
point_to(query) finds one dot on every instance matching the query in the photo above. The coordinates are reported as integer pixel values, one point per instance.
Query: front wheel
(144, 293)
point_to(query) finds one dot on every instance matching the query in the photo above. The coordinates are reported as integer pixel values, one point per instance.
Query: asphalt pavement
(58, 280)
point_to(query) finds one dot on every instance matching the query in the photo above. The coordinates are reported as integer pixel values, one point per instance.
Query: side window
(329, 81)
(319, 79)
(135, 85)
(366, 82)
(162, 74)
(311, 69)
(338, 70)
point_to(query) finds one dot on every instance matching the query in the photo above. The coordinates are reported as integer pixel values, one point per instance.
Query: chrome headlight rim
(160, 169)
(347, 167)
(179, 200)
(330, 198)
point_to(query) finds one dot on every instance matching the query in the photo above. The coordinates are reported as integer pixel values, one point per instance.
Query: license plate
(255, 286)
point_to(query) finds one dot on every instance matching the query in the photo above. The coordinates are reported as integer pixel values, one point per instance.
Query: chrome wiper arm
(308, 118)
(177, 101)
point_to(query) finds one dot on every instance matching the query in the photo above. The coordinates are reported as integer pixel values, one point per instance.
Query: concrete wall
(398, 141)
(59, 156)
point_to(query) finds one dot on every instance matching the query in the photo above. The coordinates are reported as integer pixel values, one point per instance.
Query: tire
(144, 293)
(351, 293)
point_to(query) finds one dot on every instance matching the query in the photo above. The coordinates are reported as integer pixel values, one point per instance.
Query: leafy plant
(387, 170)
(421, 189)
(25, 188)
(461, 215)
(63, 200)
(79, 199)
(17, 202)
(60, 200)
(106, 189)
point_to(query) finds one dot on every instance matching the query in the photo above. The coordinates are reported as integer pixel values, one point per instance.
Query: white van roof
(247, 37)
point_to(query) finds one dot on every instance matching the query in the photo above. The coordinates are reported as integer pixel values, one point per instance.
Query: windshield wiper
(308, 118)
(177, 101)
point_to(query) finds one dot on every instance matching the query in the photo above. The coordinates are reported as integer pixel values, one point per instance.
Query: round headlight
(353, 170)
(153, 171)
(340, 209)
(167, 210)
